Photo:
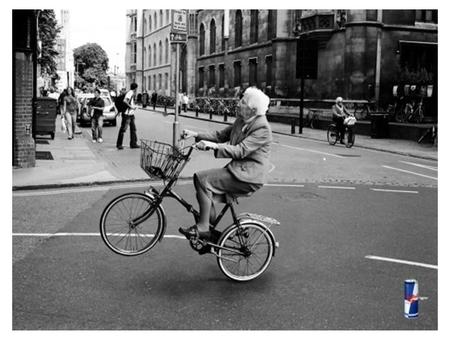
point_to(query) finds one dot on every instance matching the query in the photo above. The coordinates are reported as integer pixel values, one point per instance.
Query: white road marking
(393, 190)
(335, 187)
(400, 261)
(311, 151)
(82, 234)
(409, 172)
(284, 185)
(421, 165)
(273, 167)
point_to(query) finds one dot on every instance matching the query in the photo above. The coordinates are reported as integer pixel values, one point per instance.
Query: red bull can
(411, 298)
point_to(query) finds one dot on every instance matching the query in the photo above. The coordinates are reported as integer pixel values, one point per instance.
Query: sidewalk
(78, 162)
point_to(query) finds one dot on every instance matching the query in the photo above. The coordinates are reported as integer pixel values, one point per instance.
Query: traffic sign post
(178, 34)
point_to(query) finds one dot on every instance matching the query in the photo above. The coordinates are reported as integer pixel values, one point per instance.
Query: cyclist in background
(247, 143)
(339, 115)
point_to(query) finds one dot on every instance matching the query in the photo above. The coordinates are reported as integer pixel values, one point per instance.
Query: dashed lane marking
(421, 165)
(394, 190)
(409, 172)
(400, 261)
(335, 187)
(284, 185)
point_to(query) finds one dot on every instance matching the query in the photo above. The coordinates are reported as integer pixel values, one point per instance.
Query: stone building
(356, 54)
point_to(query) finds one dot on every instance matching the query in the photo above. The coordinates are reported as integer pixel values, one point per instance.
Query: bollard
(292, 126)
(225, 115)
(196, 111)
(210, 114)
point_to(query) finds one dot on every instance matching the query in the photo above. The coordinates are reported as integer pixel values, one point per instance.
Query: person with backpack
(128, 108)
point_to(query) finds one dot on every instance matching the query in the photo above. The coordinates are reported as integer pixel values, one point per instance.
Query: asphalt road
(320, 277)
(345, 215)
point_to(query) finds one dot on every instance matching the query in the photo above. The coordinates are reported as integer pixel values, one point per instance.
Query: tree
(48, 33)
(91, 63)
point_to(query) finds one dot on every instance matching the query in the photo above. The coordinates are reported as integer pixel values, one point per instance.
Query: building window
(166, 81)
(160, 81)
(192, 27)
(270, 24)
(238, 29)
(161, 17)
(154, 82)
(145, 26)
(221, 75)
(202, 39)
(149, 23)
(134, 52)
(253, 72)
(135, 24)
(167, 16)
(160, 52)
(149, 55)
(237, 73)
(167, 51)
(149, 82)
(144, 57)
(145, 83)
(155, 19)
(212, 76)
(154, 54)
(371, 15)
(254, 26)
(223, 32)
(427, 16)
(269, 70)
(212, 37)
(201, 77)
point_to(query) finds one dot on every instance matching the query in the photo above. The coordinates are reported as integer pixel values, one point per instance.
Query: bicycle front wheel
(131, 224)
(332, 135)
(245, 252)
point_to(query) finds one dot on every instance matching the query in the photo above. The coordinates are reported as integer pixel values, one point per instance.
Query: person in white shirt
(128, 119)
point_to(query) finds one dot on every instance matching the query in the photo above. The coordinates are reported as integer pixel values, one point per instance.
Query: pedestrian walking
(144, 99)
(128, 118)
(69, 111)
(154, 99)
(97, 104)
(247, 144)
(185, 102)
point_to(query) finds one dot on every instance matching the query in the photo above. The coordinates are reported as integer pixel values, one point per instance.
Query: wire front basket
(161, 160)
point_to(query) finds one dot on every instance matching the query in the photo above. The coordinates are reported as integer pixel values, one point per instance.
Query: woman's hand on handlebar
(206, 145)
(188, 134)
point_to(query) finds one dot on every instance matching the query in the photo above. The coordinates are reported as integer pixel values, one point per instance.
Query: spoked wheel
(131, 225)
(332, 135)
(349, 138)
(247, 251)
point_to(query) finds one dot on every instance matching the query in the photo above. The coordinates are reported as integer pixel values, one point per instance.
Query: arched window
(223, 32)
(144, 57)
(149, 55)
(238, 29)
(149, 23)
(161, 17)
(145, 26)
(212, 37)
(202, 39)
(155, 19)
(154, 54)
(167, 16)
(254, 26)
(160, 52)
(167, 51)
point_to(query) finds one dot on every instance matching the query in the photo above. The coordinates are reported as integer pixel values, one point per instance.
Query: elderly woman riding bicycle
(247, 142)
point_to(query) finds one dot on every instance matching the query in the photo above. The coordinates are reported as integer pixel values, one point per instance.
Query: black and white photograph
(267, 169)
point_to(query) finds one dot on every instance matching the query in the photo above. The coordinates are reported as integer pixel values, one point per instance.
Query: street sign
(179, 21)
(178, 37)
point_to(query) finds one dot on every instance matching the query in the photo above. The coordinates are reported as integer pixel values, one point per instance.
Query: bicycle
(349, 136)
(133, 223)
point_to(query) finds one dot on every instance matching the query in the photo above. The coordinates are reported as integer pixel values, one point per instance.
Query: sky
(107, 30)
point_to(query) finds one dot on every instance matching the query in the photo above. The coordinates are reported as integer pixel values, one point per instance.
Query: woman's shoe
(193, 232)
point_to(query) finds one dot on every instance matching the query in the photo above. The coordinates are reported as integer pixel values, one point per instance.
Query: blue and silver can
(411, 298)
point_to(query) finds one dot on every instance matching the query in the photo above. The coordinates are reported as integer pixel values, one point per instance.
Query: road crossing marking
(335, 187)
(393, 190)
(421, 165)
(409, 172)
(311, 151)
(400, 261)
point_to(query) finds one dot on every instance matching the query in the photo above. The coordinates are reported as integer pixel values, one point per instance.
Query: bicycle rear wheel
(349, 138)
(332, 135)
(247, 251)
(131, 224)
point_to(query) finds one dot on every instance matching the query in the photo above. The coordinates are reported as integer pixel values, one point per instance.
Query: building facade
(64, 59)
(356, 54)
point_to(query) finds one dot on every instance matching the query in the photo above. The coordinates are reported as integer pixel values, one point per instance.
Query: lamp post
(300, 71)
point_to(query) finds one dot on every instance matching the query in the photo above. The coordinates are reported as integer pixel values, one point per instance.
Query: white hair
(256, 99)
(339, 99)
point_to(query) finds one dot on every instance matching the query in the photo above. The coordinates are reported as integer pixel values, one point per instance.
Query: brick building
(24, 86)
